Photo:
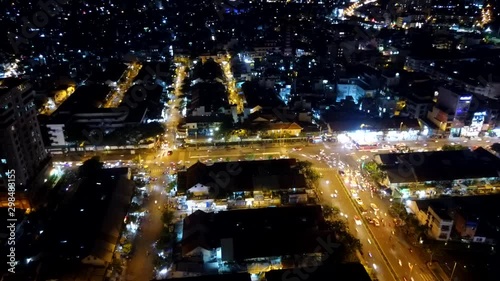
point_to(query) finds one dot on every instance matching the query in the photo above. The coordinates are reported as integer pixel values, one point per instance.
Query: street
(141, 266)
(384, 247)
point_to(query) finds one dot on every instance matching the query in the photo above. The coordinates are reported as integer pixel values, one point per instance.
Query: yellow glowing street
(234, 97)
(117, 94)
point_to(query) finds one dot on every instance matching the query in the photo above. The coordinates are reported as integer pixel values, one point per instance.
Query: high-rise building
(21, 146)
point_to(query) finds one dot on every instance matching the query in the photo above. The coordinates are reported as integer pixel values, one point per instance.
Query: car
(170, 152)
(359, 201)
(376, 222)
(354, 193)
(297, 148)
(374, 207)
(357, 220)
(369, 219)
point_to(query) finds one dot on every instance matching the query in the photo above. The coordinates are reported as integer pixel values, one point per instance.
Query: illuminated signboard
(466, 98)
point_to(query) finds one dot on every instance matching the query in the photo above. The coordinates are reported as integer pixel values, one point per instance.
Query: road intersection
(385, 250)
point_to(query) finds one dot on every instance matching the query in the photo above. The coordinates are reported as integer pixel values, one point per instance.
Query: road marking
(427, 277)
(368, 230)
(232, 155)
(324, 169)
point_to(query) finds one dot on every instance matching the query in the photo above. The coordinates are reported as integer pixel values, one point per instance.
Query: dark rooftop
(212, 95)
(113, 71)
(343, 123)
(246, 175)
(440, 210)
(89, 222)
(161, 70)
(439, 165)
(85, 98)
(218, 277)
(7, 84)
(271, 230)
(341, 272)
(142, 100)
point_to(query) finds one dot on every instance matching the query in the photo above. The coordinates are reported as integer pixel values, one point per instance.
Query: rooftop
(341, 124)
(89, 222)
(284, 126)
(481, 209)
(112, 71)
(271, 230)
(439, 165)
(85, 98)
(441, 211)
(217, 277)
(212, 95)
(7, 84)
(279, 174)
(345, 271)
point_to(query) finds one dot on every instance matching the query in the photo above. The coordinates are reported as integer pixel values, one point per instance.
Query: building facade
(22, 147)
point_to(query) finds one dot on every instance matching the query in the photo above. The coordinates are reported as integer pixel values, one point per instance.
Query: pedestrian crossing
(324, 169)
(157, 170)
(426, 277)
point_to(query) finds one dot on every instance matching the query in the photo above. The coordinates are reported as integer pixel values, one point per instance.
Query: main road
(384, 250)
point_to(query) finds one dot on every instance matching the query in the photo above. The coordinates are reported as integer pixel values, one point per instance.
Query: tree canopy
(90, 168)
(448, 147)
(309, 173)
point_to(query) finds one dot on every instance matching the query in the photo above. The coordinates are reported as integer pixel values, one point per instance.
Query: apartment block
(21, 146)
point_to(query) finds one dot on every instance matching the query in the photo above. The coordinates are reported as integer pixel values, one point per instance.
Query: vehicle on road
(169, 152)
(357, 220)
(376, 222)
(359, 201)
(297, 148)
(354, 193)
(374, 207)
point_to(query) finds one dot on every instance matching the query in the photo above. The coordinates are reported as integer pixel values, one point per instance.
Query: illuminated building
(22, 148)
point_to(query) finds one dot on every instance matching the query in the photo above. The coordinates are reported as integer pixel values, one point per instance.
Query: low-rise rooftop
(85, 98)
(216, 277)
(345, 271)
(253, 233)
(439, 165)
(279, 174)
